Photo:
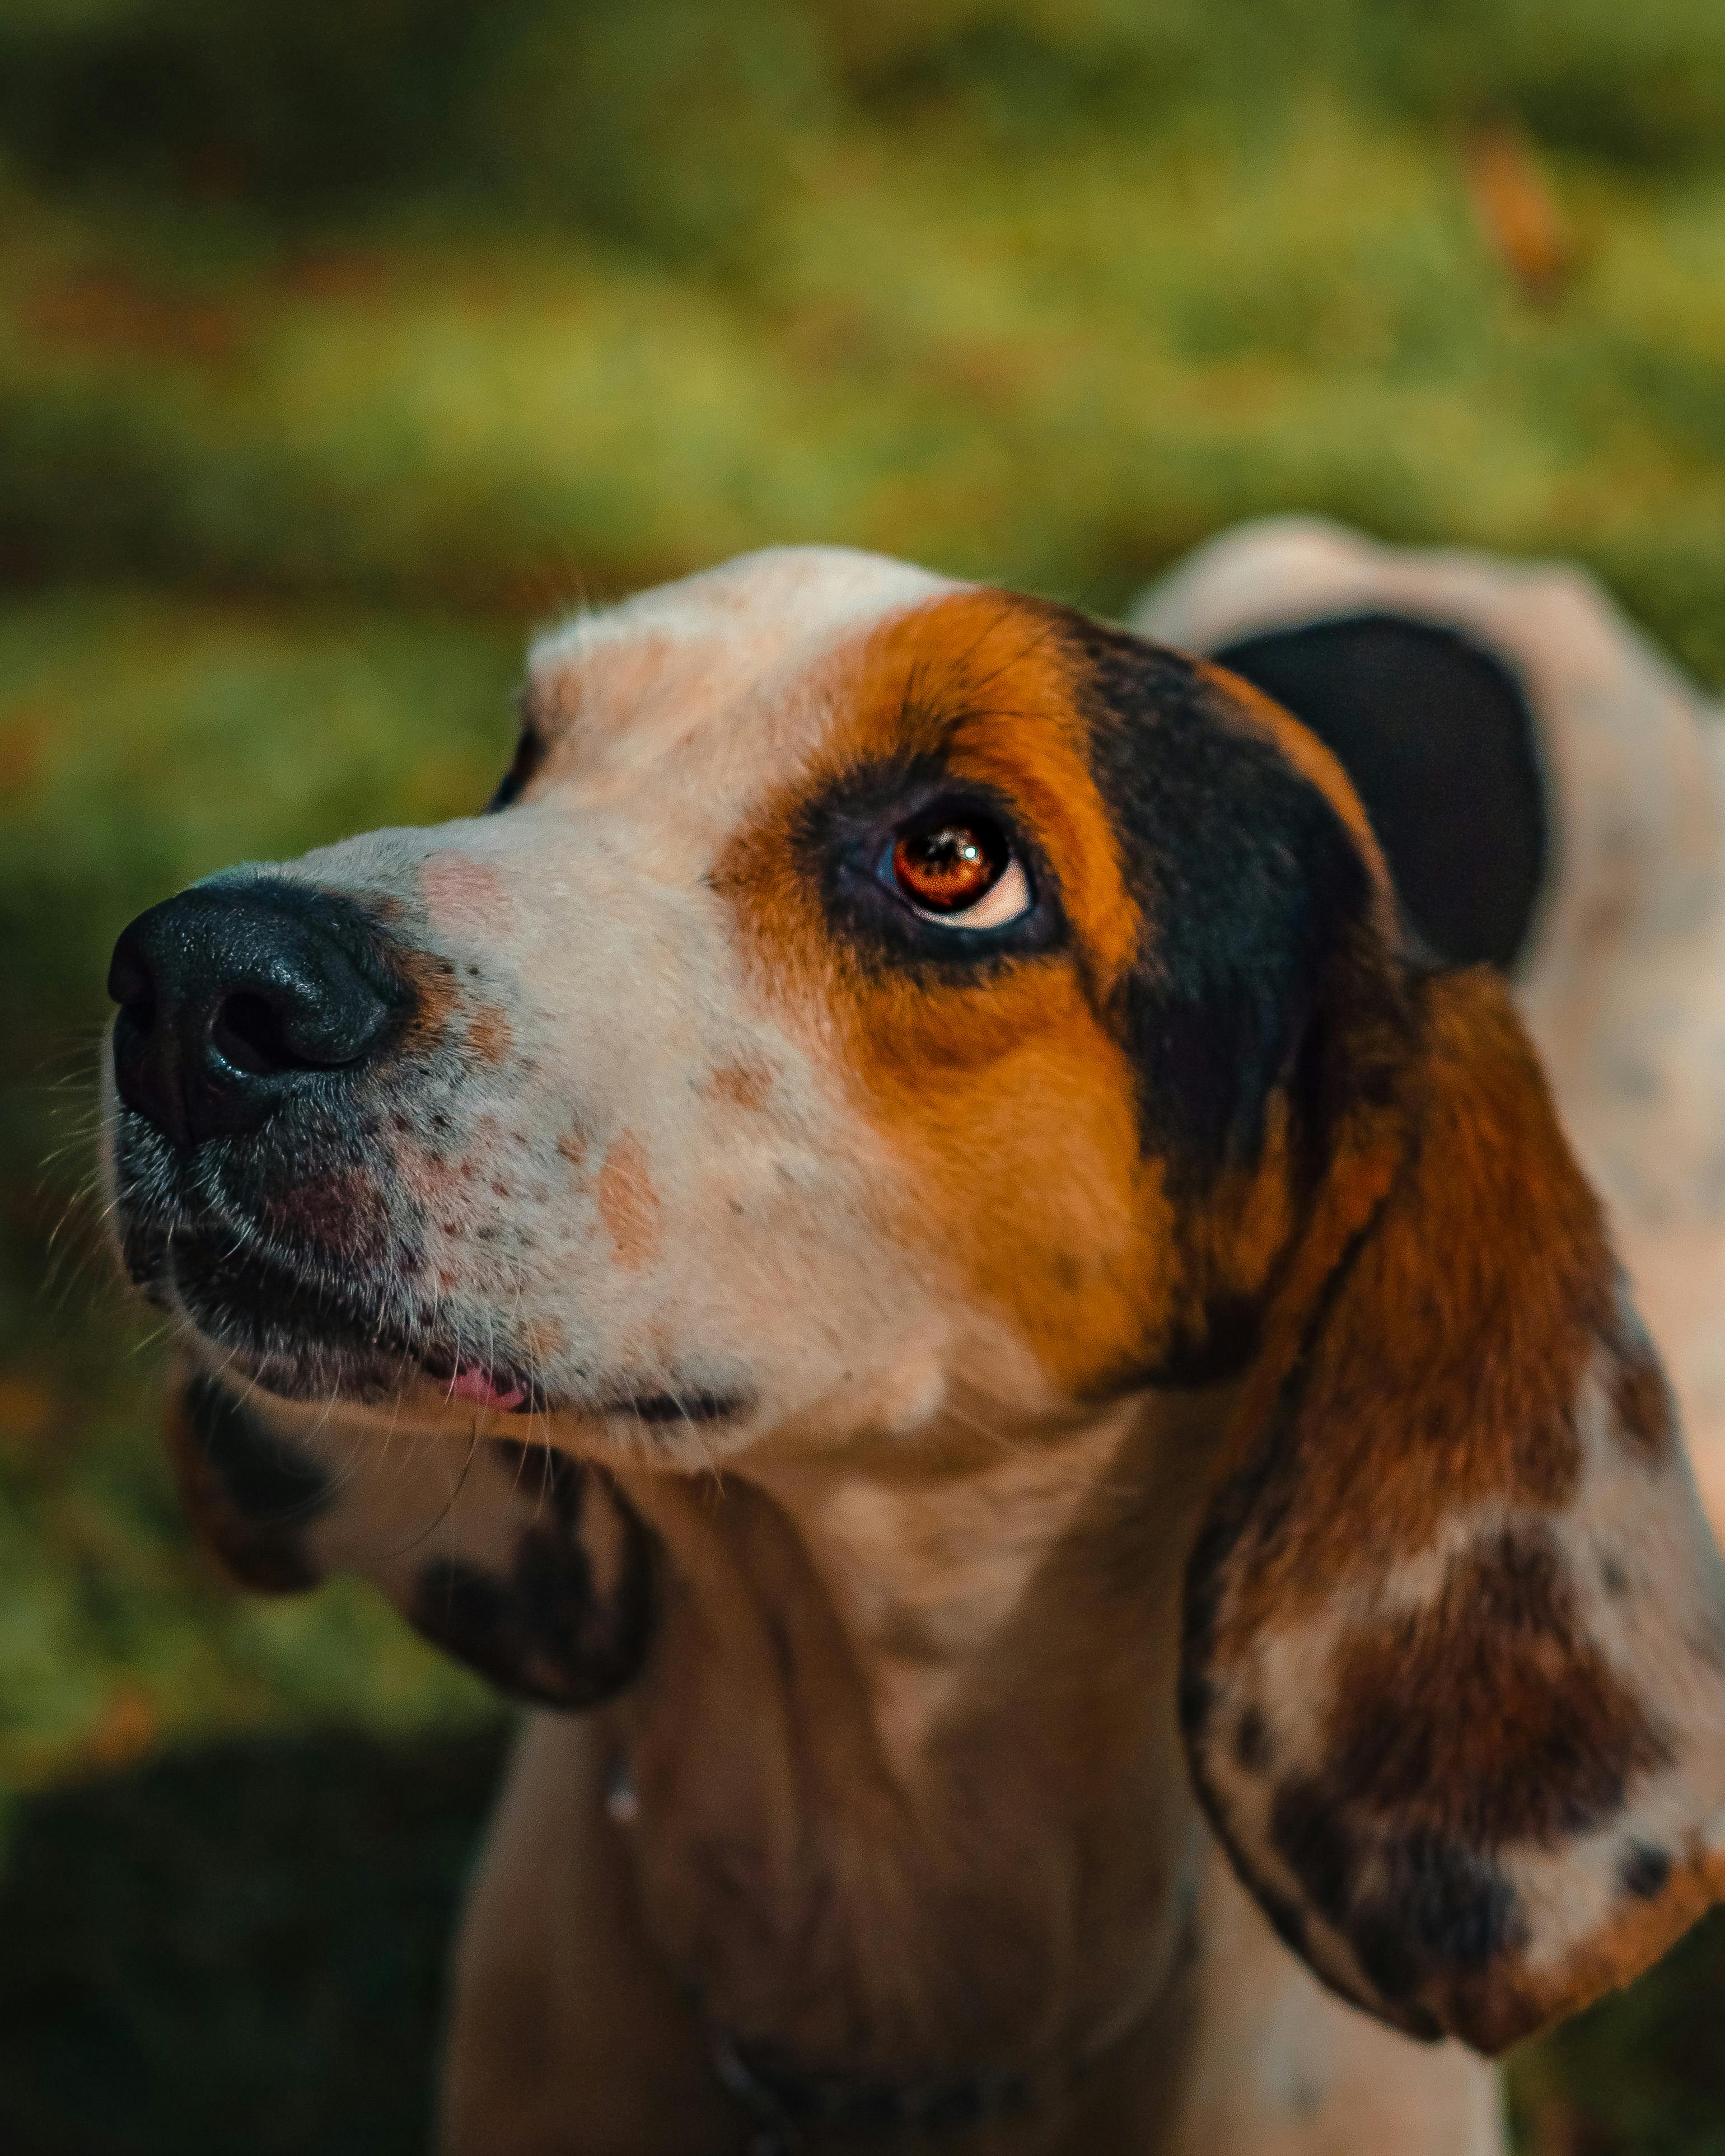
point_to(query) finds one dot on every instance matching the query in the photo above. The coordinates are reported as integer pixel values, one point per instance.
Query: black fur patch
(1644, 1872)
(250, 1493)
(1249, 882)
(548, 1631)
(1254, 1752)
(1436, 734)
(266, 1481)
(1410, 1904)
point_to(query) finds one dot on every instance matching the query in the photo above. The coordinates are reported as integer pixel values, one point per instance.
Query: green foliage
(280, 99)
(1641, 2074)
(326, 1875)
(140, 746)
(674, 124)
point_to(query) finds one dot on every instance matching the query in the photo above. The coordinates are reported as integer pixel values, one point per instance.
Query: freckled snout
(236, 998)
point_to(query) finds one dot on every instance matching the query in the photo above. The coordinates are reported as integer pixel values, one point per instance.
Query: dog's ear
(1453, 1679)
(528, 1565)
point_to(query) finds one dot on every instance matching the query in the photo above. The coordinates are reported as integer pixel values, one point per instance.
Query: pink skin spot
(463, 894)
(343, 1214)
(628, 1203)
(433, 1181)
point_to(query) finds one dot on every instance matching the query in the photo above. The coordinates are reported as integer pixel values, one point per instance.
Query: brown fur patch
(628, 1204)
(1645, 1412)
(433, 981)
(1488, 1712)
(1438, 1341)
(489, 1037)
(1394, 1397)
(744, 1085)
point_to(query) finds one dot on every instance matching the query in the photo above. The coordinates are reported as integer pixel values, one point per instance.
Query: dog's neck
(903, 1780)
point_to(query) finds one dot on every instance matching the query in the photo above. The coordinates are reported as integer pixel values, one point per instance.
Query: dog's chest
(900, 1814)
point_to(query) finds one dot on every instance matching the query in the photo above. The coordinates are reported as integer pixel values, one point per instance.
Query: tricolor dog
(910, 1241)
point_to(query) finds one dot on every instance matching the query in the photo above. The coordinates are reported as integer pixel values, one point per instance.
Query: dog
(911, 1241)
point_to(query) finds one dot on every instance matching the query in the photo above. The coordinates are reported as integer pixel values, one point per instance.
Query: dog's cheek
(1010, 1113)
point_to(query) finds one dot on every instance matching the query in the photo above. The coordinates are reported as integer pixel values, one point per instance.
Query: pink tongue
(476, 1385)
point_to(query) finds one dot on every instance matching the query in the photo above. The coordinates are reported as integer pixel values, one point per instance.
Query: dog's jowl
(905, 1241)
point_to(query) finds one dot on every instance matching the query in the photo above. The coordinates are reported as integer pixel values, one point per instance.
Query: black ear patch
(251, 1493)
(1249, 882)
(569, 1623)
(1437, 735)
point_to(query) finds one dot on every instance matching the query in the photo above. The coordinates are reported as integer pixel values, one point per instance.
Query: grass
(339, 344)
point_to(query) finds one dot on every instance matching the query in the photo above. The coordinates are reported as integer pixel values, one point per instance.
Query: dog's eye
(961, 871)
(529, 755)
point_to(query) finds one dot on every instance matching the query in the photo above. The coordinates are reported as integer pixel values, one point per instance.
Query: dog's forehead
(721, 679)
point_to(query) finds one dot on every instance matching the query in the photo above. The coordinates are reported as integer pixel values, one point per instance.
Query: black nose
(233, 997)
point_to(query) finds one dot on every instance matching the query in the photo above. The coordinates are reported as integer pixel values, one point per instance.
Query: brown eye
(949, 868)
(963, 873)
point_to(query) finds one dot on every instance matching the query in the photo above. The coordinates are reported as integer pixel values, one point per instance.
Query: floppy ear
(1453, 1679)
(530, 1566)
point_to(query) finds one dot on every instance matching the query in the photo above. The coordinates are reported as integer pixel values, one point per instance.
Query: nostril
(248, 1032)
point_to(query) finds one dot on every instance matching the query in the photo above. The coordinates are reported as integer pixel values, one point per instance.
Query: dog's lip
(435, 1357)
(424, 1351)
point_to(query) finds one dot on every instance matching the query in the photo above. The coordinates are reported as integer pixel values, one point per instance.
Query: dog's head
(871, 1000)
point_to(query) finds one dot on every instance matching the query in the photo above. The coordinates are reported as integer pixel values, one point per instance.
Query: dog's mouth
(304, 1333)
(314, 1323)
(308, 1340)
(337, 1308)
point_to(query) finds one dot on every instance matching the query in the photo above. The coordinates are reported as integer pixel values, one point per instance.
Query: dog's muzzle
(236, 998)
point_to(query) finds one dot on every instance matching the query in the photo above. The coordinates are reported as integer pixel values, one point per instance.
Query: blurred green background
(342, 339)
